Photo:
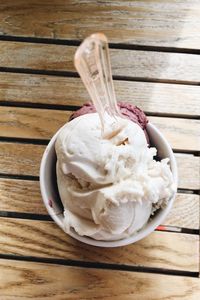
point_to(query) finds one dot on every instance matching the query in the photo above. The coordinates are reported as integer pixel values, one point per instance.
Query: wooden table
(155, 49)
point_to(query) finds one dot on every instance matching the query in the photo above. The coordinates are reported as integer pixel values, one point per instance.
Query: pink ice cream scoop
(130, 111)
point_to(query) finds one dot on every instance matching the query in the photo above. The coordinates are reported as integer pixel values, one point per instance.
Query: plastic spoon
(92, 61)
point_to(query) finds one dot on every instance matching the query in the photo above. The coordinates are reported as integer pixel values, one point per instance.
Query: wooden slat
(151, 97)
(160, 249)
(172, 23)
(188, 171)
(182, 134)
(131, 63)
(185, 211)
(24, 196)
(24, 159)
(21, 159)
(30, 280)
(21, 196)
(31, 123)
(43, 123)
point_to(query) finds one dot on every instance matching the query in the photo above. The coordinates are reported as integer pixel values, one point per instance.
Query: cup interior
(51, 198)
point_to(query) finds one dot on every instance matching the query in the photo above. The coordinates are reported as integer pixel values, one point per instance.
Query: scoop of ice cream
(108, 185)
(128, 110)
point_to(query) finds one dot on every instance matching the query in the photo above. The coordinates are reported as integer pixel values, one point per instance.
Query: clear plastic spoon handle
(92, 62)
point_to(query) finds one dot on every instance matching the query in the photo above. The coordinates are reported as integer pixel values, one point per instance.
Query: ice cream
(110, 185)
(128, 110)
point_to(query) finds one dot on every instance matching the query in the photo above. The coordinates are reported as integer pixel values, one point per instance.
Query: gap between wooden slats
(45, 239)
(42, 124)
(63, 282)
(153, 98)
(125, 63)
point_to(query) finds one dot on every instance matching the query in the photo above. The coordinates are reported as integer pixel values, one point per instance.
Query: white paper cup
(50, 195)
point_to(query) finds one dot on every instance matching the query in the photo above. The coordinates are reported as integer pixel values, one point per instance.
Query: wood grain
(43, 123)
(154, 98)
(188, 164)
(31, 123)
(173, 24)
(24, 159)
(131, 63)
(158, 23)
(182, 134)
(21, 196)
(24, 196)
(29, 280)
(160, 249)
(21, 159)
(185, 211)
